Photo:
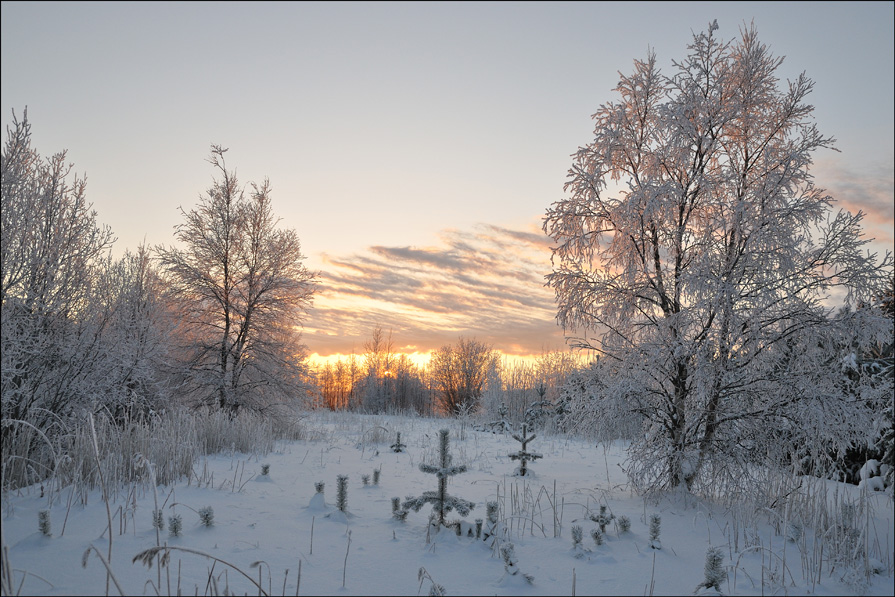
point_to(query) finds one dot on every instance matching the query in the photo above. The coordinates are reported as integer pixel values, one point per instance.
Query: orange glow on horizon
(420, 359)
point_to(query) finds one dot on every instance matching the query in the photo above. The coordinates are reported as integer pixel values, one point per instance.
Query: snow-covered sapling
(398, 446)
(342, 492)
(376, 476)
(603, 518)
(265, 468)
(508, 553)
(398, 513)
(441, 501)
(206, 516)
(502, 425)
(624, 524)
(365, 479)
(43, 523)
(597, 536)
(491, 513)
(523, 455)
(175, 525)
(318, 486)
(577, 535)
(158, 520)
(655, 523)
(715, 574)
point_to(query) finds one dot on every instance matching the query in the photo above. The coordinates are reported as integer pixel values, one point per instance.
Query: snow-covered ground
(274, 519)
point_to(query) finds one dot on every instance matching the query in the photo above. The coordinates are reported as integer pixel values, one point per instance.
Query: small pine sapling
(655, 524)
(398, 446)
(597, 536)
(376, 476)
(441, 501)
(265, 468)
(603, 518)
(158, 520)
(206, 516)
(624, 524)
(398, 513)
(43, 523)
(536, 413)
(318, 486)
(510, 562)
(715, 574)
(175, 525)
(491, 514)
(577, 538)
(523, 455)
(365, 479)
(342, 493)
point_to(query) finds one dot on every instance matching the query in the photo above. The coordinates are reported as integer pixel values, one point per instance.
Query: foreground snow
(275, 519)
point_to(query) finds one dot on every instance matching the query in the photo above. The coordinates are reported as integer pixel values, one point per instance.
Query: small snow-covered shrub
(398, 446)
(206, 516)
(398, 513)
(342, 492)
(158, 520)
(624, 524)
(43, 523)
(715, 574)
(655, 527)
(577, 535)
(603, 518)
(175, 525)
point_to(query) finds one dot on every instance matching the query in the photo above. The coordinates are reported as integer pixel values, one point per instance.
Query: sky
(414, 147)
(279, 519)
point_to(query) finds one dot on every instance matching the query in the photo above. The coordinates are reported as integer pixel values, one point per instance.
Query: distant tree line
(465, 378)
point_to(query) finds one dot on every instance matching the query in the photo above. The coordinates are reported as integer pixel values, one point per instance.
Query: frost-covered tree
(441, 501)
(700, 260)
(244, 289)
(460, 373)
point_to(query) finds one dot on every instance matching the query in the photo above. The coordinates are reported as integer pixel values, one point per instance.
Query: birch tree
(696, 256)
(244, 289)
(52, 249)
(460, 373)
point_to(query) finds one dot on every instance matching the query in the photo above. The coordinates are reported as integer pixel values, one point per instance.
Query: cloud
(487, 283)
(870, 190)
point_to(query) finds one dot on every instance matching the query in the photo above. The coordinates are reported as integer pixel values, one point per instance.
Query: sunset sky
(414, 147)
